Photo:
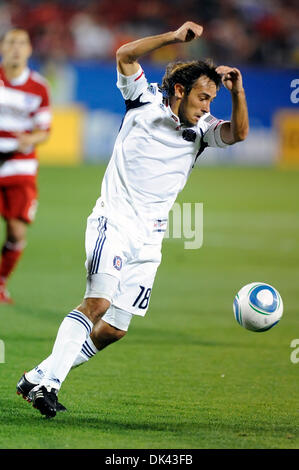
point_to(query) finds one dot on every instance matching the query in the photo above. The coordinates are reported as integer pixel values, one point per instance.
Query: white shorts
(117, 318)
(120, 269)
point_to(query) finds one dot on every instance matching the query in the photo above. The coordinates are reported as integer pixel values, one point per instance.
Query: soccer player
(164, 131)
(24, 123)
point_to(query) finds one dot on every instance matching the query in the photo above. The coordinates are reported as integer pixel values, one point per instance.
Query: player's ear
(179, 91)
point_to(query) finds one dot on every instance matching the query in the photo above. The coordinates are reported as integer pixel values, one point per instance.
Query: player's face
(16, 48)
(197, 102)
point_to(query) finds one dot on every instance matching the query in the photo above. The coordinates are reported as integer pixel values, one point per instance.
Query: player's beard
(182, 114)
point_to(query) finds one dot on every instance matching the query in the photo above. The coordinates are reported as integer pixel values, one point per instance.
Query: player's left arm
(237, 128)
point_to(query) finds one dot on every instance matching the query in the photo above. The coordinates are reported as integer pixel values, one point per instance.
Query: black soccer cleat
(24, 388)
(45, 400)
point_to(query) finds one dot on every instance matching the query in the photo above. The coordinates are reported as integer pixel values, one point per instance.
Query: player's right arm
(41, 121)
(28, 140)
(127, 55)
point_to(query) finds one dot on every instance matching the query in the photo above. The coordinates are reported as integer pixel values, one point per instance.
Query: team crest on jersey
(31, 101)
(117, 263)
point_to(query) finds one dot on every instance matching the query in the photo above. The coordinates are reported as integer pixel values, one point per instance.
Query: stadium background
(74, 47)
(187, 376)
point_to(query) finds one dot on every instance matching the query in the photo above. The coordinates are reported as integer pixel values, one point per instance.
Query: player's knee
(16, 231)
(118, 334)
(104, 334)
(111, 332)
(94, 308)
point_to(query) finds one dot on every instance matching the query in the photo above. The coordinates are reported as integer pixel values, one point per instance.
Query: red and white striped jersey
(24, 107)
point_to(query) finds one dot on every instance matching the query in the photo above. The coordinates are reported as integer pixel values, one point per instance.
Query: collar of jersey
(21, 79)
(172, 116)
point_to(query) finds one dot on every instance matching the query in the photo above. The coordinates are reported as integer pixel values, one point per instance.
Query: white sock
(72, 334)
(87, 352)
(37, 374)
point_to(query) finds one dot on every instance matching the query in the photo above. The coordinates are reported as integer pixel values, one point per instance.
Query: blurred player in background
(24, 123)
(164, 131)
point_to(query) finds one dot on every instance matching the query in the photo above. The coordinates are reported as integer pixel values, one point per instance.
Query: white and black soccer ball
(258, 307)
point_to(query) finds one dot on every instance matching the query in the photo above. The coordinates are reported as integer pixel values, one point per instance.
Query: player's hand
(231, 78)
(25, 141)
(188, 31)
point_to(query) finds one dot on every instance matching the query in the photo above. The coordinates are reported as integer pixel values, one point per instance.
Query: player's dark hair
(15, 30)
(186, 73)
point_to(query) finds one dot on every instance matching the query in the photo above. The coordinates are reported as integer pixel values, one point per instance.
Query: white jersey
(152, 158)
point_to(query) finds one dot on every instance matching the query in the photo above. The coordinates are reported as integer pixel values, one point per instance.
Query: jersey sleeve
(131, 87)
(212, 135)
(42, 117)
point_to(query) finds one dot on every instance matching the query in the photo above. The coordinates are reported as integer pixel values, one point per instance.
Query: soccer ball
(258, 307)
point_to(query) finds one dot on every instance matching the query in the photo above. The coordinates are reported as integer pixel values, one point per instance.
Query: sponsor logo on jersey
(189, 135)
(160, 225)
(152, 89)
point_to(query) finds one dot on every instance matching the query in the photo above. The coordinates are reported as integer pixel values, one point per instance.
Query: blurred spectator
(264, 32)
(5, 18)
(92, 39)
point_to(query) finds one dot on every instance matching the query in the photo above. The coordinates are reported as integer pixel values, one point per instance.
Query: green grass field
(186, 376)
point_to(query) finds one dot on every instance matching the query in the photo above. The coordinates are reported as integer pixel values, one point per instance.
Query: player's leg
(77, 325)
(132, 294)
(110, 328)
(72, 334)
(72, 337)
(18, 207)
(11, 252)
(102, 335)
